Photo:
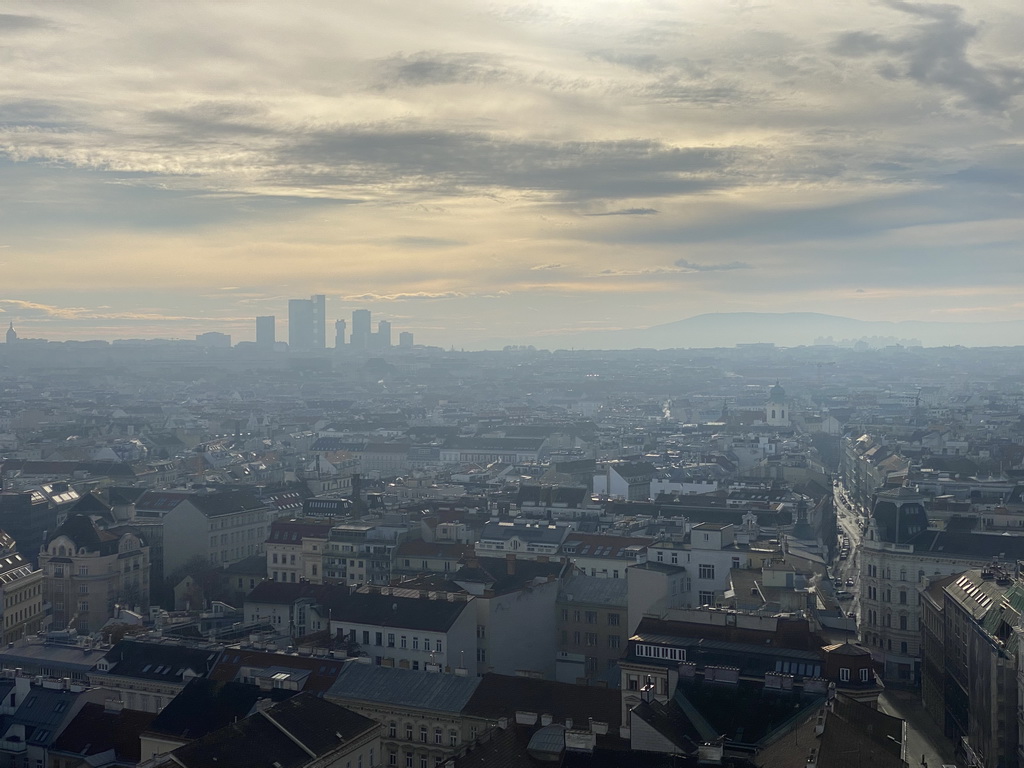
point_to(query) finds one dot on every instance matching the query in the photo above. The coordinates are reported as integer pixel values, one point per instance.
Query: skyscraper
(405, 339)
(266, 331)
(319, 302)
(339, 334)
(383, 334)
(360, 338)
(300, 324)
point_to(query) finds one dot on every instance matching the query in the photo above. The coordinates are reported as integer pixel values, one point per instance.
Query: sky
(483, 173)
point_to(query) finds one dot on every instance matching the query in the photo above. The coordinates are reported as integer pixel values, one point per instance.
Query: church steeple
(12, 335)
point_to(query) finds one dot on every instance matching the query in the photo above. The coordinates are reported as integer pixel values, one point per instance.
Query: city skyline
(500, 172)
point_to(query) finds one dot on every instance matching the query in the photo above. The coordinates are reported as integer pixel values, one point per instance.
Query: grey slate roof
(225, 502)
(423, 690)
(278, 737)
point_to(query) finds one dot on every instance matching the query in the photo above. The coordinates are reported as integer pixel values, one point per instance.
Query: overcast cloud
(467, 167)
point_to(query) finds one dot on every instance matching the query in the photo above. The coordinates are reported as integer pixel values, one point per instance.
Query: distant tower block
(405, 339)
(319, 307)
(12, 335)
(300, 324)
(777, 410)
(266, 331)
(384, 334)
(339, 333)
(360, 338)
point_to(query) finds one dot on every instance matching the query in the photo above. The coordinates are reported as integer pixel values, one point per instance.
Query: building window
(591, 639)
(437, 646)
(415, 643)
(408, 731)
(864, 675)
(675, 558)
(83, 570)
(423, 734)
(392, 758)
(706, 598)
(274, 558)
(392, 730)
(705, 571)
(903, 597)
(903, 648)
(438, 736)
(844, 674)
(613, 619)
(453, 738)
(408, 760)
(481, 655)
(614, 642)
(481, 631)
(565, 614)
(83, 606)
(404, 642)
(391, 639)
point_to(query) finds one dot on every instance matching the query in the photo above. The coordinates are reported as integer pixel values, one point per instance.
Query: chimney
(510, 562)
(113, 706)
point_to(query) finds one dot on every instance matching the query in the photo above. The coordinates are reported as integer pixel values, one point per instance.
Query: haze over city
(484, 172)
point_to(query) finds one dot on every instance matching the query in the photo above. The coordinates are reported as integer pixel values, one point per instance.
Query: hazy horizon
(531, 171)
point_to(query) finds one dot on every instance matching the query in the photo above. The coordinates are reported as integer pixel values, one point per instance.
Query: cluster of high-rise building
(307, 329)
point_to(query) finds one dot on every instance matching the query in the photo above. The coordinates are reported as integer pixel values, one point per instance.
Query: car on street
(842, 594)
(849, 582)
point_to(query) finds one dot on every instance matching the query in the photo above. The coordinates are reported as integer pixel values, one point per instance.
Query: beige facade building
(21, 587)
(87, 571)
(295, 550)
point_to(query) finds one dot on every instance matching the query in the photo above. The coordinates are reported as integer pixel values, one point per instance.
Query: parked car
(849, 582)
(842, 594)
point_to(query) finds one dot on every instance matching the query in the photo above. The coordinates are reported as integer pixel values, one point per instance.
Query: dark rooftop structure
(300, 731)
(205, 705)
(99, 729)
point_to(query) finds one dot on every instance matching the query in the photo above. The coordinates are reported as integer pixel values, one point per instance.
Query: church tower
(12, 335)
(777, 410)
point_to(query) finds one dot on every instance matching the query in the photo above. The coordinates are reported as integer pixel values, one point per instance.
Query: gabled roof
(204, 705)
(420, 690)
(159, 661)
(856, 735)
(225, 502)
(81, 530)
(502, 695)
(322, 672)
(285, 735)
(95, 730)
(494, 573)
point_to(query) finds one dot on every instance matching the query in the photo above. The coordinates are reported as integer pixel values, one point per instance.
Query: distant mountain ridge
(790, 329)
